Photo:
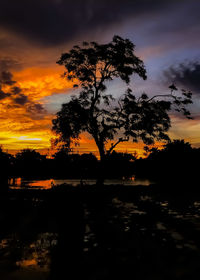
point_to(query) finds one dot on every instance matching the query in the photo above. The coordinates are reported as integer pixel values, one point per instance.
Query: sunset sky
(34, 33)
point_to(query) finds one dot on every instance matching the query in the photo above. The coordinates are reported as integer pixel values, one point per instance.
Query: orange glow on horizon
(21, 129)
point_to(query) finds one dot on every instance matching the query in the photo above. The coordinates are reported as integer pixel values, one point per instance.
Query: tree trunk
(101, 171)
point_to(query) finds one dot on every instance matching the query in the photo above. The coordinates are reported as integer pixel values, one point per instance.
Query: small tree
(6, 164)
(28, 155)
(91, 67)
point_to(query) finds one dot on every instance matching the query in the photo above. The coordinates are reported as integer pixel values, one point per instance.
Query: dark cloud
(35, 108)
(56, 21)
(6, 78)
(7, 64)
(15, 94)
(186, 75)
(21, 99)
(35, 111)
(16, 90)
(3, 95)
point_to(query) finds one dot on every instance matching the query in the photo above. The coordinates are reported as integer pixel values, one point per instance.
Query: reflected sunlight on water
(45, 184)
(34, 256)
(128, 227)
(27, 263)
(17, 183)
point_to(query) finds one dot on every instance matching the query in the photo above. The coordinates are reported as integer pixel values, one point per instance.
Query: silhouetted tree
(118, 165)
(177, 161)
(62, 155)
(5, 157)
(30, 163)
(29, 155)
(6, 168)
(176, 148)
(88, 158)
(91, 67)
(5, 160)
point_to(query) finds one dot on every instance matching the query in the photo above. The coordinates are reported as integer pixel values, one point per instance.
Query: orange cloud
(186, 129)
(42, 82)
(23, 126)
(28, 125)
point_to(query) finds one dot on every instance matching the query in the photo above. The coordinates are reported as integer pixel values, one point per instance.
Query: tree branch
(114, 145)
(161, 95)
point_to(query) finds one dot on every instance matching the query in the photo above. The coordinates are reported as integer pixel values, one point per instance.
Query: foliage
(5, 157)
(91, 67)
(177, 161)
(29, 155)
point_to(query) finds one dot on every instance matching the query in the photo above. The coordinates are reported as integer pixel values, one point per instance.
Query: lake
(17, 183)
(145, 234)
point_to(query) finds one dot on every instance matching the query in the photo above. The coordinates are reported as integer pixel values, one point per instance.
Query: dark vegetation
(109, 120)
(114, 232)
(30, 164)
(177, 162)
(91, 67)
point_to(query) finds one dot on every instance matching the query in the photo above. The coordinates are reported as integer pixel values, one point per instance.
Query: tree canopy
(91, 66)
(29, 155)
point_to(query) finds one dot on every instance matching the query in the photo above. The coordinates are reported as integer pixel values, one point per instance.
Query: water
(42, 237)
(17, 183)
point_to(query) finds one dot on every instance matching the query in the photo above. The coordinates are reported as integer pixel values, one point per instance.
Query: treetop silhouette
(91, 66)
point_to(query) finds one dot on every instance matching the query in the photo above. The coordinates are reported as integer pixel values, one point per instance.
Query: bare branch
(161, 95)
(114, 145)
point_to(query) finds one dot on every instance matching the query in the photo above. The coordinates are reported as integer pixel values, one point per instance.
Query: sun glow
(22, 128)
(25, 138)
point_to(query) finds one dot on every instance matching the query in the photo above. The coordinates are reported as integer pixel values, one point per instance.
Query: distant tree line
(177, 161)
(31, 164)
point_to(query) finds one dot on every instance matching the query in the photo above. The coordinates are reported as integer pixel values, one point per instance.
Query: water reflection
(37, 254)
(17, 183)
(27, 263)
(34, 256)
(101, 234)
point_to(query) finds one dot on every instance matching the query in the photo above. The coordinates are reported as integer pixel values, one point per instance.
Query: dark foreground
(100, 233)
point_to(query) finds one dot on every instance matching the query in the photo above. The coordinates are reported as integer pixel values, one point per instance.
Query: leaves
(173, 87)
(93, 65)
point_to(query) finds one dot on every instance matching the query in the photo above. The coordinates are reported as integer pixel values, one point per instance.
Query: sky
(34, 33)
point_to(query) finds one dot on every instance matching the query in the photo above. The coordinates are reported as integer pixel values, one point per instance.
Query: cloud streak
(15, 97)
(34, 33)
